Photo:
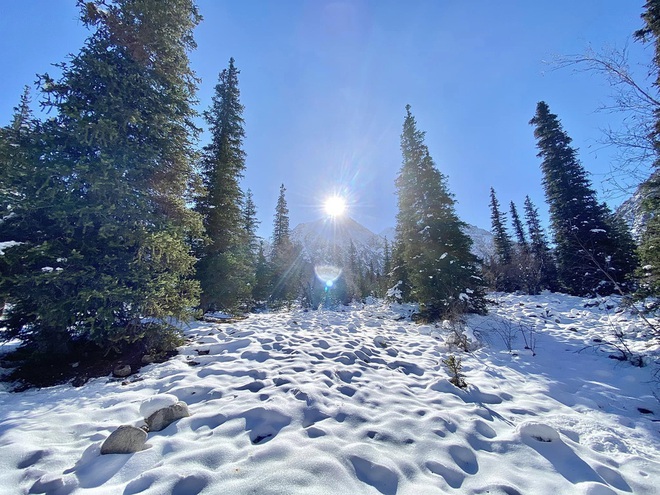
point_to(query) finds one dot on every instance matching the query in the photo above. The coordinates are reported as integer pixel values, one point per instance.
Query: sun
(335, 206)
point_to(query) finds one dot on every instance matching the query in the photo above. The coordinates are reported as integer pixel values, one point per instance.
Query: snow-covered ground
(359, 402)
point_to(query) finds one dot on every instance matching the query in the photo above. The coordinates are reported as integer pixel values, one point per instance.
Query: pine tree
(281, 239)
(251, 223)
(547, 270)
(433, 252)
(649, 248)
(285, 256)
(588, 261)
(225, 269)
(518, 227)
(503, 245)
(109, 220)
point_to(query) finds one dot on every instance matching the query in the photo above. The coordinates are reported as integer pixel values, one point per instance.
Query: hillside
(358, 401)
(328, 241)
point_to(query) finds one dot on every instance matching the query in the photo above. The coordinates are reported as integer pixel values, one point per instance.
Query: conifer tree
(518, 227)
(251, 223)
(108, 219)
(538, 245)
(225, 269)
(649, 249)
(588, 259)
(285, 256)
(502, 240)
(433, 252)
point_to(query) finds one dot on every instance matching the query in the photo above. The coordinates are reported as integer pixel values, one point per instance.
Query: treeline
(115, 223)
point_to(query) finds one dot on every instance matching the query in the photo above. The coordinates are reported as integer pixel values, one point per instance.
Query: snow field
(357, 402)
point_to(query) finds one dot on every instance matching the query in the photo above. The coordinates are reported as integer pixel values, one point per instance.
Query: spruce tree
(503, 245)
(285, 256)
(108, 218)
(251, 223)
(649, 248)
(433, 252)
(518, 227)
(225, 269)
(538, 245)
(588, 259)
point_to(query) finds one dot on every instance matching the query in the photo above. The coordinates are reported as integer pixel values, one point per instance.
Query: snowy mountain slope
(359, 402)
(482, 240)
(631, 212)
(328, 241)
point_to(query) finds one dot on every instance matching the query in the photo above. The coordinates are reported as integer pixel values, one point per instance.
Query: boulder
(156, 403)
(162, 418)
(122, 370)
(126, 439)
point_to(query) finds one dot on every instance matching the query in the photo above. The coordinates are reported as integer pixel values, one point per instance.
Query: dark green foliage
(286, 258)
(432, 254)
(225, 269)
(518, 227)
(539, 250)
(503, 245)
(649, 248)
(454, 367)
(99, 190)
(590, 260)
(499, 270)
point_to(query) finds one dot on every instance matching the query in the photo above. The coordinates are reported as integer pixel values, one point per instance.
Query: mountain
(632, 213)
(327, 241)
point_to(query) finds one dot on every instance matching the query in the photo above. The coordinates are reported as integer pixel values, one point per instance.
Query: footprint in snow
(380, 477)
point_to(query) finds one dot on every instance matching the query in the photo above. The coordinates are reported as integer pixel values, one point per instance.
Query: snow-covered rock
(156, 403)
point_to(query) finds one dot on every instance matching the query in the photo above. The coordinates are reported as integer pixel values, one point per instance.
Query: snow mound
(358, 401)
(156, 403)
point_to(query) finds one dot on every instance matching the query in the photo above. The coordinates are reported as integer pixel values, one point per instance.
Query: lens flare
(335, 206)
(327, 274)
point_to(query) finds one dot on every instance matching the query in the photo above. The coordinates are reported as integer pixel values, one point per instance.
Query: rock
(124, 440)
(122, 370)
(147, 359)
(162, 418)
(156, 403)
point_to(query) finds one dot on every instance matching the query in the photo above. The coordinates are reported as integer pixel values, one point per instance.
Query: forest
(116, 223)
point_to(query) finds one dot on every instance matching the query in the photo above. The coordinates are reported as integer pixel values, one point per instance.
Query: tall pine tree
(589, 258)
(518, 227)
(284, 255)
(503, 245)
(432, 252)
(649, 249)
(538, 245)
(225, 269)
(108, 219)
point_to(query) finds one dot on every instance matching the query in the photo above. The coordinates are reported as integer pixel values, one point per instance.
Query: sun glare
(335, 206)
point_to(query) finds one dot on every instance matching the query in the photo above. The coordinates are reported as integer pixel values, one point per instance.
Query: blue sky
(325, 84)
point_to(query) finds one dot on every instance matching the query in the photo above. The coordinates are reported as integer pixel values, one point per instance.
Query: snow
(6, 245)
(358, 401)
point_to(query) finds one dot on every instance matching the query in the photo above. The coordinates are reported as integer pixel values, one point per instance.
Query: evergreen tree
(433, 252)
(502, 240)
(281, 239)
(649, 249)
(107, 211)
(224, 270)
(251, 223)
(262, 288)
(518, 227)
(588, 259)
(547, 270)
(285, 256)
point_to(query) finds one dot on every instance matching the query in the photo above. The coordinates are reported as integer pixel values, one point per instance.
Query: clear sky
(325, 84)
